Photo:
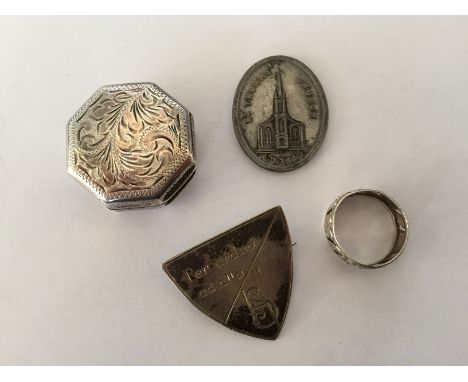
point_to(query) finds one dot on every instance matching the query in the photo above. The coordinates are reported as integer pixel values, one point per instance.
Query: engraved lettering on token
(280, 113)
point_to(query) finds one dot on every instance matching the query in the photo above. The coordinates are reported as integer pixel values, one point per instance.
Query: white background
(80, 284)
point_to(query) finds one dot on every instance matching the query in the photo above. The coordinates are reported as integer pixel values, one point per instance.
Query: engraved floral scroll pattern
(126, 139)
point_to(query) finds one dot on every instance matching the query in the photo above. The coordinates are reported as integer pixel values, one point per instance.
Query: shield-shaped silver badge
(241, 278)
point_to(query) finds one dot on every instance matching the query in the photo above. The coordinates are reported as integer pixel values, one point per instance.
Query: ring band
(399, 219)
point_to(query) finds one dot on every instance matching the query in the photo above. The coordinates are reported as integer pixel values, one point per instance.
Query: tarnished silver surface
(132, 146)
(399, 218)
(241, 278)
(280, 113)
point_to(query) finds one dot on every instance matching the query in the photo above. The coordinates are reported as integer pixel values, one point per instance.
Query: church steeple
(280, 113)
(279, 92)
(280, 107)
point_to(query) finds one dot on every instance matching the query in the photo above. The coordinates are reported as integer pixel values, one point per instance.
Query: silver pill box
(132, 146)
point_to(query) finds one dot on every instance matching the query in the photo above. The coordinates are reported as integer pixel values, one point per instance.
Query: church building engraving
(280, 131)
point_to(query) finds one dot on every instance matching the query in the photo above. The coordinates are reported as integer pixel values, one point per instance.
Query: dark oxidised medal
(241, 278)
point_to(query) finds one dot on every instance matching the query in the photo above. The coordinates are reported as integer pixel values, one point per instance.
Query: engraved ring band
(399, 219)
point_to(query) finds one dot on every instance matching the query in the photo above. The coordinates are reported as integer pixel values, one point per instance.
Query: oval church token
(280, 113)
